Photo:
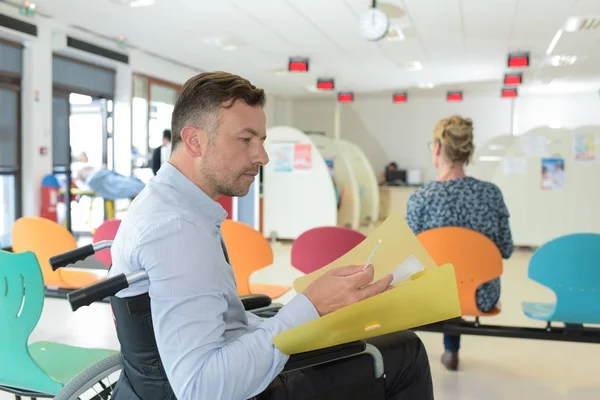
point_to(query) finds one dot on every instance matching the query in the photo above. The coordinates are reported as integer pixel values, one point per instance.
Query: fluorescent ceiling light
(490, 158)
(395, 34)
(554, 41)
(562, 60)
(135, 3)
(573, 24)
(225, 43)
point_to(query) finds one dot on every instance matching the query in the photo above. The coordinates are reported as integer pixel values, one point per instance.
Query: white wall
(400, 132)
(37, 114)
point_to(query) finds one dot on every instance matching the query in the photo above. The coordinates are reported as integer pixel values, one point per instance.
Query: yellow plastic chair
(46, 238)
(249, 251)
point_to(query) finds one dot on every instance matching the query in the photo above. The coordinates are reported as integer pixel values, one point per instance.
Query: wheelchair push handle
(79, 254)
(103, 289)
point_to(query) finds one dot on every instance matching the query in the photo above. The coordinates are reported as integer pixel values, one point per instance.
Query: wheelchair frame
(257, 304)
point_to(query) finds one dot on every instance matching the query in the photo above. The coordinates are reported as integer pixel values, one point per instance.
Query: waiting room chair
(39, 369)
(475, 257)
(249, 251)
(320, 246)
(570, 266)
(46, 238)
(106, 231)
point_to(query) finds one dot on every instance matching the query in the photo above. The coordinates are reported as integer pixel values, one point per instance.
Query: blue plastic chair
(38, 369)
(570, 266)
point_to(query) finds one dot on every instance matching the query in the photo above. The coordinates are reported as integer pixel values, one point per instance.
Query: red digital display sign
(325, 84)
(513, 79)
(454, 96)
(509, 93)
(298, 65)
(400, 98)
(346, 97)
(518, 60)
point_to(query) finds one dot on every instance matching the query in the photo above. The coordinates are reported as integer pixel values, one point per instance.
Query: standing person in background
(162, 153)
(455, 199)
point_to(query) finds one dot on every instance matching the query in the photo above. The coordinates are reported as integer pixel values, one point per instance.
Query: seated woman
(455, 199)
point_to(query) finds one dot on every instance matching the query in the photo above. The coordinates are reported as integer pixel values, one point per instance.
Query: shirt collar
(171, 176)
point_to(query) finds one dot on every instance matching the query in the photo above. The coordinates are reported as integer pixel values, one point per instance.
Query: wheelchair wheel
(96, 382)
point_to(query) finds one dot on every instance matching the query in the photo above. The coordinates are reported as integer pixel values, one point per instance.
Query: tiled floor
(491, 368)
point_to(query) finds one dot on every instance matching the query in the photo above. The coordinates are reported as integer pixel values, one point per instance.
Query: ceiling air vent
(575, 24)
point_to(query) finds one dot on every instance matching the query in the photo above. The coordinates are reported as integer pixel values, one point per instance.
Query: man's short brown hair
(202, 97)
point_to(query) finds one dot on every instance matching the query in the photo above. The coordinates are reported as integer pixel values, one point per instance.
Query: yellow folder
(428, 297)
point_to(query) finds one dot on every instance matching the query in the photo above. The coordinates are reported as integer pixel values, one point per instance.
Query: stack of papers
(423, 293)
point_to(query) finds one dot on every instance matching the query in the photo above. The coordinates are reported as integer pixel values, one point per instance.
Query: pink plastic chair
(318, 247)
(106, 231)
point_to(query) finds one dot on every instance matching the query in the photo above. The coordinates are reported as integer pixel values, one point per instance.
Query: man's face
(236, 151)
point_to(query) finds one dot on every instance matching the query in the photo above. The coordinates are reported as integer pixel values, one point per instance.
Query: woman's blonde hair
(456, 137)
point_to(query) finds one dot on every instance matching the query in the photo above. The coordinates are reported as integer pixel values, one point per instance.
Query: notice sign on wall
(584, 147)
(553, 173)
(302, 156)
(282, 156)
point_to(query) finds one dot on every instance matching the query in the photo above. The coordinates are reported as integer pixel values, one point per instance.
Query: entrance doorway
(83, 145)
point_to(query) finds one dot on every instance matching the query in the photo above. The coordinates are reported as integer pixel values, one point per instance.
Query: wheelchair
(132, 315)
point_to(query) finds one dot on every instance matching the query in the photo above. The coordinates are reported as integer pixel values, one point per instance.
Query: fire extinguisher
(50, 189)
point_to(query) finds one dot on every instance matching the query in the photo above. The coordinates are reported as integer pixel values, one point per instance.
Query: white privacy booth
(298, 192)
(366, 178)
(344, 179)
(550, 182)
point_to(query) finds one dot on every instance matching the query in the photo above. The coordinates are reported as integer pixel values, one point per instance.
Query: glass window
(9, 212)
(162, 104)
(8, 127)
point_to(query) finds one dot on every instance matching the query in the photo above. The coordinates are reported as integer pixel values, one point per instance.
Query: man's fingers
(375, 288)
(348, 270)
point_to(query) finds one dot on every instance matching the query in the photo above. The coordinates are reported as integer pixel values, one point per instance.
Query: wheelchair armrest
(253, 301)
(330, 354)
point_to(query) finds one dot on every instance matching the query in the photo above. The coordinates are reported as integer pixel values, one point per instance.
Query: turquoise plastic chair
(43, 368)
(570, 266)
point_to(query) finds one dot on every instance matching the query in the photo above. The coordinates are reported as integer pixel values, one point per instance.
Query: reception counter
(393, 199)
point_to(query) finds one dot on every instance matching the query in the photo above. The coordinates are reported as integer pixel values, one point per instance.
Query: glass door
(152, 108)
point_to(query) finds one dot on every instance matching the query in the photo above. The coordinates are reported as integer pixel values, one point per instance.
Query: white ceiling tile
(435, 18)
(490, 19)
(587, 7)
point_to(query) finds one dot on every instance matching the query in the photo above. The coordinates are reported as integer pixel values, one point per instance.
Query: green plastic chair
(40, 369)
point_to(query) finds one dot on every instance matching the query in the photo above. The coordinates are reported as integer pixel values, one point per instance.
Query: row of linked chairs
(53, 370)
(568, 265)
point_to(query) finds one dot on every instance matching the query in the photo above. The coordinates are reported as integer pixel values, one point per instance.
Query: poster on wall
(584, 148)
(553, 173)
(534, 145)
(282, 156)
(330, 165)
(302, 156)
(514, 166)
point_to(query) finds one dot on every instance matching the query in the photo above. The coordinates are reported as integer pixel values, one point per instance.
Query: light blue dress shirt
(210, 346)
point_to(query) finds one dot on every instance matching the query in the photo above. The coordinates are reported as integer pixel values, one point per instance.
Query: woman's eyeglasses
(430, 144)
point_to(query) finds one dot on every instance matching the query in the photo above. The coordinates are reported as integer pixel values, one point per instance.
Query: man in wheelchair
(209, 346)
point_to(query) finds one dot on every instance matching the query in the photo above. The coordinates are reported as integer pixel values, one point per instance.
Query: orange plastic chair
(475, 257)
(106, 231)
(249, 251)
(46, 238)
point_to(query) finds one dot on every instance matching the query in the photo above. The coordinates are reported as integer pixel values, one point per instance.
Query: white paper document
(408, 268)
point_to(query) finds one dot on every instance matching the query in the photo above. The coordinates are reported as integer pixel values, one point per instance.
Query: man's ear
(194, 140)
